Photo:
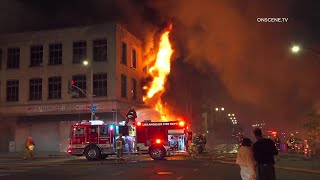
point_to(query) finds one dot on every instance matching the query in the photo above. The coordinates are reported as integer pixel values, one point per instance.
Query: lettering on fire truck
(160, 124)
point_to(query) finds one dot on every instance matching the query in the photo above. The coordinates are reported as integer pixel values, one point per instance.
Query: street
(178, 167)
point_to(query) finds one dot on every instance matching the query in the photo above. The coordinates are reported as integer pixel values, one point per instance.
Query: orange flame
(161, 69)
(160, 72)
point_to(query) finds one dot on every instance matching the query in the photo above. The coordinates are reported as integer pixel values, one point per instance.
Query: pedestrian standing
(264, 150)
(245, 160)
(120, 146)
(29, 148)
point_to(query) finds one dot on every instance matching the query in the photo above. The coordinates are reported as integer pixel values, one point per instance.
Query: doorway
(176, 142)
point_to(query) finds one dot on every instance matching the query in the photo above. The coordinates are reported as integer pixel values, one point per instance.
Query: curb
(61, 164)
(278, 167)
(299, 170)
(37, 157)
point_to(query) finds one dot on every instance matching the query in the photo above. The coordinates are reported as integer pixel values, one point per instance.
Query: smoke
(252, 59)
(148, 114)
(243, 64)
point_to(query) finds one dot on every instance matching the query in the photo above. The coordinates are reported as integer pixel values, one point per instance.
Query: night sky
(223, 56)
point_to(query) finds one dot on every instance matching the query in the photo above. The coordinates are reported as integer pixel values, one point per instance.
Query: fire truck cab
(92, 139)
(159, 139)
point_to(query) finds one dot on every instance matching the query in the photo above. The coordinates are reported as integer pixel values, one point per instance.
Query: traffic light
(70, 86)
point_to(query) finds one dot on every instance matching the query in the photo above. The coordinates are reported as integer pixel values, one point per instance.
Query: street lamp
(295, 49)
(218, 109)
(86, 63)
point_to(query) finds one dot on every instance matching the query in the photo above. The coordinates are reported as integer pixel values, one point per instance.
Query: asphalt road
(175, 169)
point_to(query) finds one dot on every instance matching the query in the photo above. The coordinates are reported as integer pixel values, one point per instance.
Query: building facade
(36, 69)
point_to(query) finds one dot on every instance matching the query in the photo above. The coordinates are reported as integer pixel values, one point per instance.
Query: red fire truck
(161, 138)
(92, 139)
(96, 140)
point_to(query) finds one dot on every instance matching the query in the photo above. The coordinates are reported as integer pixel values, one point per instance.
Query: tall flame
(161, 68)
(159, 71)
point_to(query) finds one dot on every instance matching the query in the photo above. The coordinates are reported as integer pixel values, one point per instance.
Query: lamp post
(218, 111)
(296, 49)
(86, 63)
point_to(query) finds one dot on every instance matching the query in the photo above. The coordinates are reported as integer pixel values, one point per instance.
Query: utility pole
(92, 108)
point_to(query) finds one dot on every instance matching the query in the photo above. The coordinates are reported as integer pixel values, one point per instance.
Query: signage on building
(87, 107)
(45, 108)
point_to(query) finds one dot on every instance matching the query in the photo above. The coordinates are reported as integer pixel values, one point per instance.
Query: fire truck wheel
(93, 153)
(103, 156)
(157, 153)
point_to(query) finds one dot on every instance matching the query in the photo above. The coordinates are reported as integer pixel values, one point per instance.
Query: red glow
(158, 141)
(69, 151)
(72, 82)
(139, 123)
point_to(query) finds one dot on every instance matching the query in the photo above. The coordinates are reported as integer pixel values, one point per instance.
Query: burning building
(36, 69)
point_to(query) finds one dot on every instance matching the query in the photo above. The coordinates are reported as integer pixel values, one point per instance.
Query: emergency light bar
(96, 122)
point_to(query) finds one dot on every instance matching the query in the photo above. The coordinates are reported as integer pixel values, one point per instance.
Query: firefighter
(131, 115)
(120, 146)
(29, 148)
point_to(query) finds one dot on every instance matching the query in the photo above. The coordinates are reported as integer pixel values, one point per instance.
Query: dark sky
(223, 56)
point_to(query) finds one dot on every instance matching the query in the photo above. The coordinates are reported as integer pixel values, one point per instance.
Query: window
(100, 47)
(100, 84)
(55, 54)
(103, 130)
(134, 59)
(124, 53)
(134, 89)
(13, 58)
(12, 90)
(35, 89)
(80, 82)
(79, 131)
(54, 88)
(36, 55)
(123, 86)
(93, 130)
(0, 59)
(79, 51)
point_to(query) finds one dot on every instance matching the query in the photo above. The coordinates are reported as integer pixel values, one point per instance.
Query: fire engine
(92, 139)
(161, 138)
(96, 140)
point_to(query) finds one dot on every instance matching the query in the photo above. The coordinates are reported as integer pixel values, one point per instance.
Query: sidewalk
(41, 154)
